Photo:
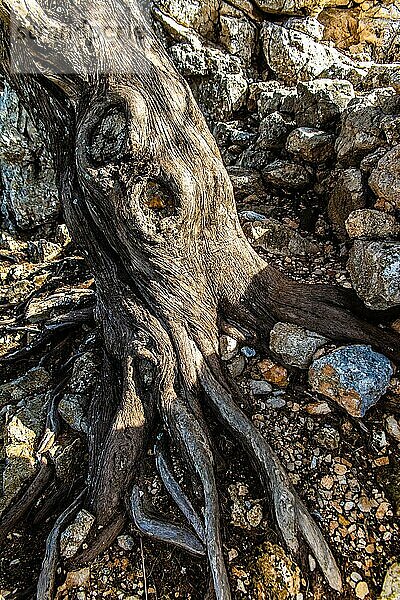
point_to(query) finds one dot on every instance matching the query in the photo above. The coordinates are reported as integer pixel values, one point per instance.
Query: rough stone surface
(288, 7)
(294, 345)
(23, 427)
(126, 542)
(391, 585)
(321, 102)
(274, 129)
(200, 15)
(347, 194)
(259, 388)
(383, 75)
(374, 269)
(275, 575)
(228, 347)
(308, 25)
(29, 194)
(271, 235)
(385, 178)
(371, 224)
(362, 131)
(273, 97)
(75, 534)
(216, 78)
(287, 175)
(233, 133)
(73, 405)
(32, 382)
(354, 376)
(238, 34)
(294, 56)
(245, 182)
(369, 29)
(312, 145)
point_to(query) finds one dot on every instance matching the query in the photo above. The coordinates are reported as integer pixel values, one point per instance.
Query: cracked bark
(148, 200)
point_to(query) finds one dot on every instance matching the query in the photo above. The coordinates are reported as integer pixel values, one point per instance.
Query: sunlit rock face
(29, 194)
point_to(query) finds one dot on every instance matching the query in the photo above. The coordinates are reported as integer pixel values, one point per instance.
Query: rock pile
(303, 99)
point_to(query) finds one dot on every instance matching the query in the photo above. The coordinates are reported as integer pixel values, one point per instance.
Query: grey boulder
(353, 376)
(374, 269)
(295, 345)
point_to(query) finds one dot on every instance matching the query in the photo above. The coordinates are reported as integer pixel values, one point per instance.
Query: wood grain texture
(149, 202)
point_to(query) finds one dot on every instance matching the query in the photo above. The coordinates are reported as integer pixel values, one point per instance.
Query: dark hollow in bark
(148, 200)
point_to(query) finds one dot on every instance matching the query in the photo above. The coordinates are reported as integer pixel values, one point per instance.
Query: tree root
(17, 512)
(290, 512)
(185, 368)
(175, 491)
(161, 530)
(45, 587)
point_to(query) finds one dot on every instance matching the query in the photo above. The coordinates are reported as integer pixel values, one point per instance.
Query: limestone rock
(238, 34)
(391, 127)
(354, 376)
(233, 133)
(75, 534)
(73, 405)
(126, 542)
(294, 56)
(246, 6)
(275, 575)
(320, 103)
(383, 75)
(273, 236)
(385, 178)
(347, 194)
(392, 426)
(295, 7)
(274, 97)
(312, 145)
(361, 130)
(259, 388)
(29, 193)
(22, 430)
(371, 224)
(308, 25)
(245, 182)
(328, 437)
(374, 269)
(370, 162)
(370, 29)
(31, 383)
(217, 79)
(200, 15)
(294, 345)
(228, 347)
(287, 175)
(391, 585)
(255, 158)
(274, 129)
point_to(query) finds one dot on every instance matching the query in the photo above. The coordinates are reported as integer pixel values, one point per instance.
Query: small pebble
(125, 542)
(248, 352)
(362, 590)
(327, 482)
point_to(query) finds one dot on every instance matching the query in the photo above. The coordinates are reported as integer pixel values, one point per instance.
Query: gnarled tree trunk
(148, 200)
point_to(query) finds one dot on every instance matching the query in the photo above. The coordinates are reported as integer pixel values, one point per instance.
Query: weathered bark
(148, 200)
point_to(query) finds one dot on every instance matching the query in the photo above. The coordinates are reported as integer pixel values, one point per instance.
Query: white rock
(294, 56)
(392, 427)
(75, 534)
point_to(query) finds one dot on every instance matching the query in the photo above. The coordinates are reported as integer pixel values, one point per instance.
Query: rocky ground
(298, 97)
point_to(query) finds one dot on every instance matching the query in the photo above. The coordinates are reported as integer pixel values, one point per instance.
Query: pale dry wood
(149, 202)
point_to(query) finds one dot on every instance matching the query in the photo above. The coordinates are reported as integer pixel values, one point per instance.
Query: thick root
(161, 530)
